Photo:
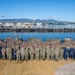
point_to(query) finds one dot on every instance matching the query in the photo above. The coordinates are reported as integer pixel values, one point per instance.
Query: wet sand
(31, 67)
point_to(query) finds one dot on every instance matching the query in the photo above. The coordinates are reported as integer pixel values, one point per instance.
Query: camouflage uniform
(61, 53)
(37, 53)
(7, 52)
(22, 50)
(48, 52)
(10, 54)
(56, 52)
(26, 54)
(44, 53)
(31, 51)
(3, 53)
(18, 54)
(40, 51)
(52, 53)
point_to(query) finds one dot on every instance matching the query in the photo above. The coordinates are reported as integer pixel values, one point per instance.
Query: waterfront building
(38, 25)
(7, 24)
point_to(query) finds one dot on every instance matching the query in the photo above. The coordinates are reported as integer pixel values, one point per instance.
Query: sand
(31, 67)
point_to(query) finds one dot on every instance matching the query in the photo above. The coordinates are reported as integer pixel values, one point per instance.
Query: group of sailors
(36, 49)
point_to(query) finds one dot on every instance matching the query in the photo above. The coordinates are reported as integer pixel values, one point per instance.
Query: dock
(40, 30)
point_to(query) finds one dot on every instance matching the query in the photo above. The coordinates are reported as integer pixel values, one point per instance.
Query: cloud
(2, 16)
(52, 17)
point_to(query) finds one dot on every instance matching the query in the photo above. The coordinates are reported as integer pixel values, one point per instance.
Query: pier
(40, 30)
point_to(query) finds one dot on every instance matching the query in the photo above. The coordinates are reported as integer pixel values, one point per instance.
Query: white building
(8, 24)
(0, 23)
(24, 25)
(38, 25)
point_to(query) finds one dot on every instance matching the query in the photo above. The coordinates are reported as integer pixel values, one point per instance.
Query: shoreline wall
(40, 30)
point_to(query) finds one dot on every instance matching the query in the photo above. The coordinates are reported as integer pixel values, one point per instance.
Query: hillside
(31, 20)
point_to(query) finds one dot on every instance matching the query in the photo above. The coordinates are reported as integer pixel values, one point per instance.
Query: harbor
(37, 37)
(36, 27)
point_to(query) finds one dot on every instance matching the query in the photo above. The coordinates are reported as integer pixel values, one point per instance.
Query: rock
(68, 69)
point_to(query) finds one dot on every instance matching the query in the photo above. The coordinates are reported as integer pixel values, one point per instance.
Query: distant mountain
(31, 20)
(48, 21)
(16, 20)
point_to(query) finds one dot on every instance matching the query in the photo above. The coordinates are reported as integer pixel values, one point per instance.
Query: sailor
(52, 53)
(0, 52)
(3, 53)
(10, 53)
(31, 51)
(22, 49)
(37, 52)
(43, 52)
(26, 53)
(74, 53)
(66, 53)
(40, 51)
(18, 54)
(56, 53)
(61, 53)
(71, 52)
(48, 52)
(7, 52)
(14, 53)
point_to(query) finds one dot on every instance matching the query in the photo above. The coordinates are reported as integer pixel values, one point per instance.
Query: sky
(38, 9)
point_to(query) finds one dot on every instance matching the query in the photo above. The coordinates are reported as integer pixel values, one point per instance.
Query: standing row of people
(52, 49)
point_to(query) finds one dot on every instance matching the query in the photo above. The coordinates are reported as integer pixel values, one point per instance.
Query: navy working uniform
(14, 54)
(71, 53)
(66, 53)
(74, 54)
(0, 52)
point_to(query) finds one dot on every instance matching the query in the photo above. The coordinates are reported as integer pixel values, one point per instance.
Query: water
(44, 36)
